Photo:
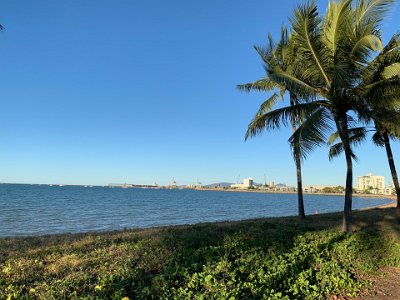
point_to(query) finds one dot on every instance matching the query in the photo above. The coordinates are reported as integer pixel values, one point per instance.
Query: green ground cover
(280, 258)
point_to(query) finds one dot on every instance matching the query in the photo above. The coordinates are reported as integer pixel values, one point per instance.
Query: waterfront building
(309, 189)
(247, 183)
(282, 187)
(272, 184)
(389, 190)
(373, 184)
(322, 189)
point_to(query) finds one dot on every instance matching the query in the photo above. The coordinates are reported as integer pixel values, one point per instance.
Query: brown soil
(385, 285)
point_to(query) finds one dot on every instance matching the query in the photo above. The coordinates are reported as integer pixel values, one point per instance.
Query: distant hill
(223, 184)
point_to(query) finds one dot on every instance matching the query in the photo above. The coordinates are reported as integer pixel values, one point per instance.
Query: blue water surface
(40, 209)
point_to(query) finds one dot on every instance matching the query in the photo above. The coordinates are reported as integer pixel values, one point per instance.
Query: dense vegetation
(281, 258)
(333, 190)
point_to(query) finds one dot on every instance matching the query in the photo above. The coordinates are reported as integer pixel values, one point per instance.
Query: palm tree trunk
(348, 197)
(394, 173)
(300, 200)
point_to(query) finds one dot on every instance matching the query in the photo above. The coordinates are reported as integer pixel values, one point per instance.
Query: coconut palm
(382, 138)
(281, 54)
(384, 132)
(382, 101)
(385, 128)
(334, 53)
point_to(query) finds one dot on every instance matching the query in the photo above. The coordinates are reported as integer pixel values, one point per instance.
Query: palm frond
(390, 55)
(306, 26)
(281, 117)
(389, 121)
(337, 149)
(393, 129)
(393, 43)
(268, 104)
(294, 84)
(383, 94)
(364, 45)
(377, 139)
(391, 71)
(336, 18)
(310, 133)
(366, 36)
(262, 85)
(333, 138)
(372, 10)
(267, 52)
(282, 49)
(356, 137)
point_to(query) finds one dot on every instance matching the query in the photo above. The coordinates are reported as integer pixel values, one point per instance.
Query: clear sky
(98, 91)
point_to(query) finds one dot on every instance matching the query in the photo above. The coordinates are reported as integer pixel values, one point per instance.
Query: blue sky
(97, 91)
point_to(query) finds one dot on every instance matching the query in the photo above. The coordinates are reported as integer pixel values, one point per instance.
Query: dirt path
(385, 285)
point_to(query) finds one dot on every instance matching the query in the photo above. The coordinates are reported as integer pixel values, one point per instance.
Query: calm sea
(39, 209)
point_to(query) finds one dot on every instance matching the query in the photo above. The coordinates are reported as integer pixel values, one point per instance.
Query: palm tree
(384, 136)
(281, 54)
(381, 138)
(384, 131)
(381, 93)
(334, 52)
(382, 101)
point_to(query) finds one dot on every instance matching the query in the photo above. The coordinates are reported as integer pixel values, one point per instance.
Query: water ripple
(36, 210)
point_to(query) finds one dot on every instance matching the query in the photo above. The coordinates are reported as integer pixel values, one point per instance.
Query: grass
(281, 258)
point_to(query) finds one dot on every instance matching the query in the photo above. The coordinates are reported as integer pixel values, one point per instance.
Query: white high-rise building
(247, 183)
(376, 184)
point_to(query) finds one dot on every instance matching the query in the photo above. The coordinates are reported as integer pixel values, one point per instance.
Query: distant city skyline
(95, 92)
(240, 181)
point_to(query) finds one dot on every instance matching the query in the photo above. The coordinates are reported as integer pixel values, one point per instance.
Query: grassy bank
(273, 258)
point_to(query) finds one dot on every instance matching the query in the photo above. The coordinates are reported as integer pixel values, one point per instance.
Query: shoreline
(375, 196)
(392, 204)
(380, 196)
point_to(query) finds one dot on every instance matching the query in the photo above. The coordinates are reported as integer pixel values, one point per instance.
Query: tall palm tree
(334, 52)
(383, 103)
(281, 54)
(383, 136)
(384, 131)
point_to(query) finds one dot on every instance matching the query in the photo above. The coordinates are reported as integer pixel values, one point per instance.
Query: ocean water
(40, 209)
